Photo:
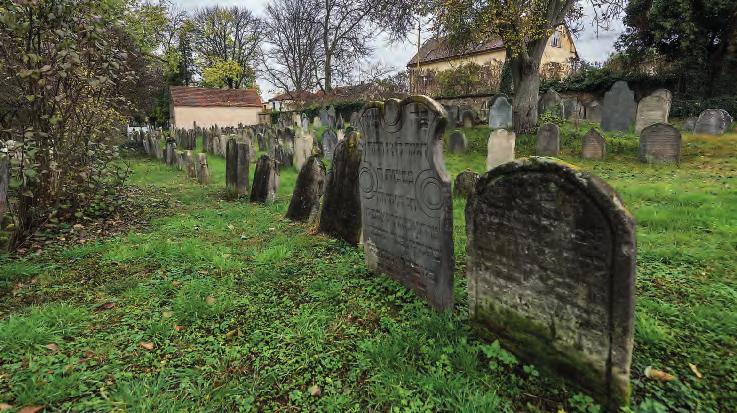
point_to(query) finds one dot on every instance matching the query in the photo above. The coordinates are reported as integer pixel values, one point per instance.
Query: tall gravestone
(406, 204)
(550, 102)
(551, 271)
(465, 183)
(4, 183)
(265, 180)
(660, 143)
(453, 114)
(329, 142)
(619, 109)
(189, 163)
(332, 118)
(593, 146)
(500, 148)
(341, 209)
(237, 162)
(302, 150)
(548, 140)
(261, 142)
(171, 152)
(713, 122)
(316, 122)
(653, 109)
(305, 203)
(500, 113)
(457, 142)
(203, 170)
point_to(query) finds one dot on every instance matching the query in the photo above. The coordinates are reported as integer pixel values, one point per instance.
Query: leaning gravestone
(548, 140)
(329, 142)
(265, 180)
(465, 183)
(4, 183)
(305, 203)
(341, 209)
(302, 150)
(660, 143)
(619, 109)
(457, 142)
(653, 109)
(593, 146)
(500, 113)
(237, 162)
(713, 122)
(406, 203)
(500, 148)
(550, 102)
(551, 272)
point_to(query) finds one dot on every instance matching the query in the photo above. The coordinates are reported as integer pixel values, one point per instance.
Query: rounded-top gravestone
(593, 146)
(713, 122)
(500, 113)
(619, 109)
(653, 109)
(550, 102)
(660, 143)
(457, 142)
(548, 140)
(465, 183)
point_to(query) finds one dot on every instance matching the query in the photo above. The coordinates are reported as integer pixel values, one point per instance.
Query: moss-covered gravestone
(551, 271)
(465, 183)
(265, 180)
(308, 190)
(406, 202)
(341, 208)
(237, 162)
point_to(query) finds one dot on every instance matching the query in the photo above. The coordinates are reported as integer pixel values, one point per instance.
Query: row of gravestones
(551, 249)
(151, 142)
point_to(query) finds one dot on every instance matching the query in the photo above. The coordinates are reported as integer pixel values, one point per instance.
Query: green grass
(248, 311)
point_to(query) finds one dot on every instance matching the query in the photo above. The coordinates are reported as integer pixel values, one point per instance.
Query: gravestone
(548, 140)
(237, 162)
(593, 146)
(550, 102)
(551, 272)
(265, 180)
(261, 142)
(660, 143)
(453, 114)
(4, 183)
(354, 119)
(341, 209)
(305, 122)
(713, 122)
(203, 171)
(457, 142)
(189, 165)
(619, 109)
(283, 156)
(500, 113)
(340, 123)
(406, 205)
(332, 119)
(469, 118)
(500, 148)
(570, 108)
(324, 118)
(465, 183)
(171, 154)
(690, 124)
(302, 150)
(653, 109)
(593, 111)
(305, 203)
(329, 142)
(316, 123)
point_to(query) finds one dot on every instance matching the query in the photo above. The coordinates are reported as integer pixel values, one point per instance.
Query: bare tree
(228, 34)
(294, 54)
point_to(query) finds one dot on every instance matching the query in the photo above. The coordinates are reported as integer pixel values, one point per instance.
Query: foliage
(469, 78)
(506, 84)
(683, 108)
(223, 73)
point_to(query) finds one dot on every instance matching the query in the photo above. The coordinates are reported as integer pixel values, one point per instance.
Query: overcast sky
(590, 46)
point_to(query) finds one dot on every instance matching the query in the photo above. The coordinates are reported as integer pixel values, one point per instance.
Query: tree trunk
(328, 72)
(526, 76)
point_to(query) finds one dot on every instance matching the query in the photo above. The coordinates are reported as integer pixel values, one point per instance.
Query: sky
(591, 46)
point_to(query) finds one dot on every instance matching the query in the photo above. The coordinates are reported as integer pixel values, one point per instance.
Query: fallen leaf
(658, 375)
(31, 409)
(179, 328)
(210, 300)
(315, 391)
(695, 370)
(105, 306)
(147, 346)
(53, 347)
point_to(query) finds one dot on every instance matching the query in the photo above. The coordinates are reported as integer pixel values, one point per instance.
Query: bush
(683, 108)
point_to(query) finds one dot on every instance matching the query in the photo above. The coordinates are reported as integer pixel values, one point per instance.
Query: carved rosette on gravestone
(302, 150)
(551, 271)
(329, 142)
(465, 183)
(500, 113)
(203, 171)
(406, 202)
(660, 143)
(593, 146)
(341, 209)
(653, 109)
(500, 148)
(305, 203)
(550, 102)
(457, 142)
(237, 162)
(265, 180)
(619, 110)
(713, 122)
(548, 140)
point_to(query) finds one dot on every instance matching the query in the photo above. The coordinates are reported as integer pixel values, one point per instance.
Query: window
(555, 42)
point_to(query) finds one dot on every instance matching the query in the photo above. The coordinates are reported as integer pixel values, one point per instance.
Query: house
(436, 56)
(206, 107)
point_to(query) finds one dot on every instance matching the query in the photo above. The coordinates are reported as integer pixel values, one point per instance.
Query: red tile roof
(435, 49)
(205, 97)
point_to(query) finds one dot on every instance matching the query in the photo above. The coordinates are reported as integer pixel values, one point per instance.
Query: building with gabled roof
(205, 107)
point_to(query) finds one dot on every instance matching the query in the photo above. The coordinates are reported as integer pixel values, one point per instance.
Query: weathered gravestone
(690, 124)
(465, 183)
(551, 271)
(469, 118)
(203, 171)
(261, 142)
(283, 156)
(302, 150)
(453, 115)
(189, 165)
(500, 148)
(324, 118)
(619, 109)
(550, 102)
(570, 108)
(316, 123)
(500, 113)
(305, 203)
(660, 143)
(457, 142)
(341, 209)
(171, 152)
(354, 119)
(332, 118)
(406, 200)
(653, 109)
(593, 111)
(593, 146)
(329, 142)
(305, 122)
(265, 180)
(4, 183)
(237, 161)
(548, 140)
(713, 122)
(340, 123)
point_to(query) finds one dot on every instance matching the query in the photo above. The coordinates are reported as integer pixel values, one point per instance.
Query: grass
(247, 311)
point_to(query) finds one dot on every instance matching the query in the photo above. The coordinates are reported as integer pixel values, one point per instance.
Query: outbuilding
(206, 107)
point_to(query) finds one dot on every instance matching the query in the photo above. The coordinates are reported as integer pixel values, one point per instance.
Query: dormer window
(555, 41)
